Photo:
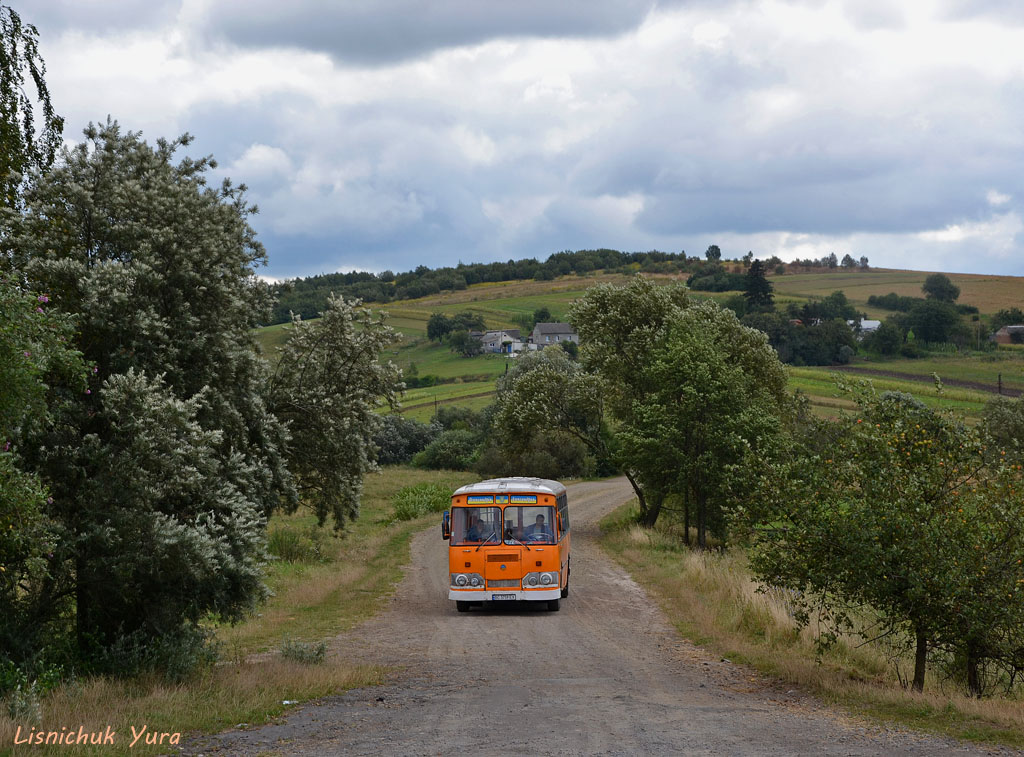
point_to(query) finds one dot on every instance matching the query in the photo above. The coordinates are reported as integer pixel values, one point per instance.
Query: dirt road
(605, 675)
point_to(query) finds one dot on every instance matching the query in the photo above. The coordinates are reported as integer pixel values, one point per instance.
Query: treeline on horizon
(307, 296)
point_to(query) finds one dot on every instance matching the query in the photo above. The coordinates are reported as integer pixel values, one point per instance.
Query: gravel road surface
(605, 675)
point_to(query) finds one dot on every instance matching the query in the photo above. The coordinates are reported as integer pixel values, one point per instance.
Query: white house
(545, 334)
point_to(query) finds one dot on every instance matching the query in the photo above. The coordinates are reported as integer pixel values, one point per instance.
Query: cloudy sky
(389, 133)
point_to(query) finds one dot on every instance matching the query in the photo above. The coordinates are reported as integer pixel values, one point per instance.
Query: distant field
(502, 303)
(989, 294)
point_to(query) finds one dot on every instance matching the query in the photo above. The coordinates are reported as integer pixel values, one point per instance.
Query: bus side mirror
(446, 525)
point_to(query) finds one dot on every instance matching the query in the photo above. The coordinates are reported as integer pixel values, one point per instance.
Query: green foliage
(887, 338)
(464, 344)
(713, 253)
(1007, 317)
(715, 400)
(758, 290)
(309, 546)
(22, 146)
(438, 326)
(933, 320)
(938, 287)
(326, 387)
(307, 653)
(417, 500)
(901, 510)
(548, 419)
(162, 471)
(398, 438)
(452, 450)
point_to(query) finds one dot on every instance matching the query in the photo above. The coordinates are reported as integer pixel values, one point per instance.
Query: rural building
(553, 333)
(502, 340)
(866, 326)
(1009, 335)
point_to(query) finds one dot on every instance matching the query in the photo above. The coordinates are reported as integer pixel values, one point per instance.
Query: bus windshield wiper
(493, 533)
(521, 544)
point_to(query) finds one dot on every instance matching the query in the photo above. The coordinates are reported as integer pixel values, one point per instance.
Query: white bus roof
(513, 484)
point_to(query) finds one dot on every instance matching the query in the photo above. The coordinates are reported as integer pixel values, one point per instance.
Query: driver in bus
(475, 532)
(539, 530)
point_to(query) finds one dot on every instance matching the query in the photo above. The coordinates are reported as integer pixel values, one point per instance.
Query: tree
(887, 338)
(717, 395)
(938, 287)
(899, 508)
(37, 366)
(171, 459)
(832, 261)
(848, 261)
(465, 345)
(327, 386)
(863, 262)
(713, 253)
(438, 326)
(467, 321)
(618, 326)
(758, 290)
(1007, 317)
(28, 140)
(933, 320)
(542, 315)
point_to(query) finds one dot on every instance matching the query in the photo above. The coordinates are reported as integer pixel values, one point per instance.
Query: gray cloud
(386, 31)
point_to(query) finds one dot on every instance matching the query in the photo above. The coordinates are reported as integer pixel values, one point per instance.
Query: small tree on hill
(438, 326)
(939, 287)
(758, 290)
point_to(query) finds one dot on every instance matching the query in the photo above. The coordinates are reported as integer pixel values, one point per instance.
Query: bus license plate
(503, 596)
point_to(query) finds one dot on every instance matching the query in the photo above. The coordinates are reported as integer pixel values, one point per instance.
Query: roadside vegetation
(322, 584)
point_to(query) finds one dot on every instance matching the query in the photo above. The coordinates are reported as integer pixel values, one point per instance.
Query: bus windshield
(475, 525)
(530, 525)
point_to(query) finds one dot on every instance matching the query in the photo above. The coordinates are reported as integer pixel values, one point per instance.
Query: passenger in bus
(539, 530)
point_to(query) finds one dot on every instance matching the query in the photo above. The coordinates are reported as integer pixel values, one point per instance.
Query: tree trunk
(641, 499)
(649, 518)
(919, 662)
(686, 515)
(973, 675)
(702, 521)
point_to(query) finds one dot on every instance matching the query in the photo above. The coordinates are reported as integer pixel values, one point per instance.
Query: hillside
(971, 379)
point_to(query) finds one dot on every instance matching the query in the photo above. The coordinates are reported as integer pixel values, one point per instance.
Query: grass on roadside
(327, 585)
(712, 600)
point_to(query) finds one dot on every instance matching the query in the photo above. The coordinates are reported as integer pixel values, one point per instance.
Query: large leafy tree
(618, 328)
(29, 138)
(158, 268)
(939, 287)
(714, 406)
(327, 386)
(38, 368)
(903, 516)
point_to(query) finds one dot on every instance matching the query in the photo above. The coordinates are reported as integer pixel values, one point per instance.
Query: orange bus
(508, 540)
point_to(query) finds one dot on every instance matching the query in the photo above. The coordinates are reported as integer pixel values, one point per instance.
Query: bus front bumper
(504, 595)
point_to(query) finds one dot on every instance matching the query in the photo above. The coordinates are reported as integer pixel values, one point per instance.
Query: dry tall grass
(712, 599)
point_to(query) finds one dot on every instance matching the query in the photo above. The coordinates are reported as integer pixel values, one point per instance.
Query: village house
(545, 334)
(1009, 335)
(501, 341)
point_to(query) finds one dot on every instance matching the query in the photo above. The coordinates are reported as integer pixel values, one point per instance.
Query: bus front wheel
(554, 604)
(461, 606)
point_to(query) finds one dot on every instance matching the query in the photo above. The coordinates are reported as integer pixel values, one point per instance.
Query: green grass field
(501, 304)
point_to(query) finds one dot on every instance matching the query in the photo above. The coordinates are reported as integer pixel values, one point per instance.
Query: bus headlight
(467, 580)
(533, 580)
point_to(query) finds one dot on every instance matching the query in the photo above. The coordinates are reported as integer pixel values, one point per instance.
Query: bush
(397, 438)
(305, 652)
(452, 450)
(291, 545)
(911, 350)
(421, 499)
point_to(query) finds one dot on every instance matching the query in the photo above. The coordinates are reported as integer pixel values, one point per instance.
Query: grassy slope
(501, 303)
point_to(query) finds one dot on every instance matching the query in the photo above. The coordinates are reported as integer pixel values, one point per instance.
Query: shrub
(420, 499)
(452, 450)
(291, 545)
(305, 652)
(397, 438)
